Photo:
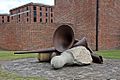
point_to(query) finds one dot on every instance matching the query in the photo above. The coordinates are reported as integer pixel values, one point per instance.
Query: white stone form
(77, 55)
(81, 55)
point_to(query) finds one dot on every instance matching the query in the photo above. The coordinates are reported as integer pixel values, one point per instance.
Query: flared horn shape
(63, 38)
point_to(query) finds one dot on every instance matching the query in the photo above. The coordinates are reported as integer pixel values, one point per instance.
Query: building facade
(4, 18)
(32, 25)
(29, 13)
(32, 12)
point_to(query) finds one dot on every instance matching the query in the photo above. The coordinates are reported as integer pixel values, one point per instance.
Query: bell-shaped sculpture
(63, 38)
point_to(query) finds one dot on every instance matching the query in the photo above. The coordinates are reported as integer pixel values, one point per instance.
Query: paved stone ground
(110, 70)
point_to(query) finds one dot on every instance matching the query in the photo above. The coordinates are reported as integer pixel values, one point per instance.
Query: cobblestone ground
(110, 70)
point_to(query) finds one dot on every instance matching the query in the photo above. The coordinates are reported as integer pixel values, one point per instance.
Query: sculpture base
(42, 57)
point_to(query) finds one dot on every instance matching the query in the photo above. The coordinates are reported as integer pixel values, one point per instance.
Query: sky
(6, 5)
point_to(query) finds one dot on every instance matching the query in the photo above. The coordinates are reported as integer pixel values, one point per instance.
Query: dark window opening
(2, 17)
(46, 14)
(19, 20)
(40, 8)
(8, 19)
(46, 9)
(2, 21)
(35, 19)
(46, 20)
(51, 15)
(27, 19)
(40, 13)
(18, 11)
(35, 14)
(51, 20)
(40, 19)
(27, 13)
(34, 7)
(19, 16)
(26, 8)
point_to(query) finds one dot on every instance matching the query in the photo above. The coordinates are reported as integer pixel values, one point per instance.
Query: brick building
(4, 18)
(94, 19)
(32, 12)
(29, 13)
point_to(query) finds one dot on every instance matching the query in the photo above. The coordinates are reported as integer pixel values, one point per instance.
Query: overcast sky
(6, 5)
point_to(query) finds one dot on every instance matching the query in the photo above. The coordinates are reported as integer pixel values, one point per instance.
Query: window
(51, 10)
(19, 11)
(51, 14)
(34, 7)
(26, 8)
(46, 14)
(2, 17)
(27, 13)
(40, 8)
(19, 20)
(40, 19)
(27, 19)
(51, 20)
(40, 13)
(19, 16)
(46, 20)
(2, 21)
(11, 13)
(46, 9)
(35, 19)
(8, 19)
(35, 13)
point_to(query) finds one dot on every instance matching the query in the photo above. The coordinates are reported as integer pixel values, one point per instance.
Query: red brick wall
(26, 36)
(109, 25)
(85, 20)
(81, 13)
(64, 10)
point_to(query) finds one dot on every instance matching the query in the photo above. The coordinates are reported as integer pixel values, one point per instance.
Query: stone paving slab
(109, 70)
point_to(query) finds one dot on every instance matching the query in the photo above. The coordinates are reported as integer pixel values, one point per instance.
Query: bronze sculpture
(64, 39)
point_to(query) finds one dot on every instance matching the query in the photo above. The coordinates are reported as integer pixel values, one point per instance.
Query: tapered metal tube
(48, 50)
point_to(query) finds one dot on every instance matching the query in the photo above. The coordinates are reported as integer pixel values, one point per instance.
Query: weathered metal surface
(63, 38)
(47, 50)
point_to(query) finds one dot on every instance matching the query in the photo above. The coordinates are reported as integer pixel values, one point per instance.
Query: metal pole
(97, 23)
